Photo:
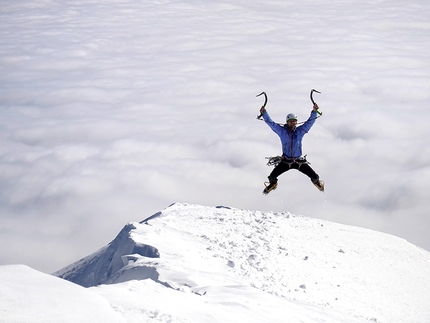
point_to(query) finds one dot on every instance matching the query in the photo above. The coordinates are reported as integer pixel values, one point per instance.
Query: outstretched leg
(273, 177)
(278, 170)
(307, 170)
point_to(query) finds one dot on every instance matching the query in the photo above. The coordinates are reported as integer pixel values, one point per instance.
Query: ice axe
(264, 105)
(312, 99)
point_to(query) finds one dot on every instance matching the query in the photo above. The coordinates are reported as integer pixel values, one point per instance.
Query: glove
(315, 108)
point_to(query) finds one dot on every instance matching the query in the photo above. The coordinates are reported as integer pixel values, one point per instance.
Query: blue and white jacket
(291, 140)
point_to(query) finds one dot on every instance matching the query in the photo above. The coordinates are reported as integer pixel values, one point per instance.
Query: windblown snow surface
(29, 296)
(190, 263)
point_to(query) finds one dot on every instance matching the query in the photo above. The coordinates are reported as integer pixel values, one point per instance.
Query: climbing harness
(275, 161)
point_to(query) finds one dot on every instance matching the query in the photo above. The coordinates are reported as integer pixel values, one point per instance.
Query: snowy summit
(190, 263)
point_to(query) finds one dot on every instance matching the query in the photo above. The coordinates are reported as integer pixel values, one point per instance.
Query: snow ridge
(98, 267)
(341, 269)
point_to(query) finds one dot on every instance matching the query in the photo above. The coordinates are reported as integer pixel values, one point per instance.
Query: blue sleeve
(309, 123)
(274, 126)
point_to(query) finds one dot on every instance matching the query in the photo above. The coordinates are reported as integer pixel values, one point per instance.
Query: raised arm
(311, 120)
(273, 125)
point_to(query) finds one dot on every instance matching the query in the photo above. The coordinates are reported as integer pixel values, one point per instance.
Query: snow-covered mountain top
(342, 273)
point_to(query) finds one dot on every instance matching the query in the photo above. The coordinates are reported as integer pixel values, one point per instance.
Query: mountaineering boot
(319, 185)
(269, 187)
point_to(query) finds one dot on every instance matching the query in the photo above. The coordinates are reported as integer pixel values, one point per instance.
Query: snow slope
(27, 295)
(190, 263)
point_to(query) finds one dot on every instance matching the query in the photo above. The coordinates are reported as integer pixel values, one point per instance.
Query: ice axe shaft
(264, 105)
(312, 99)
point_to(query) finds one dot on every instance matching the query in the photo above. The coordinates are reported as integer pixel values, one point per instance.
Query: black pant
(300, 166)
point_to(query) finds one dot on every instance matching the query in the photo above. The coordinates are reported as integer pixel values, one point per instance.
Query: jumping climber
(291, 137)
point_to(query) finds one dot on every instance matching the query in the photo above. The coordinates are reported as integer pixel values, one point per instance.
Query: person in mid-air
(291, 137)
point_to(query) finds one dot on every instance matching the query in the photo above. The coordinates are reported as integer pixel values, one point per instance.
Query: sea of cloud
(111, 110)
